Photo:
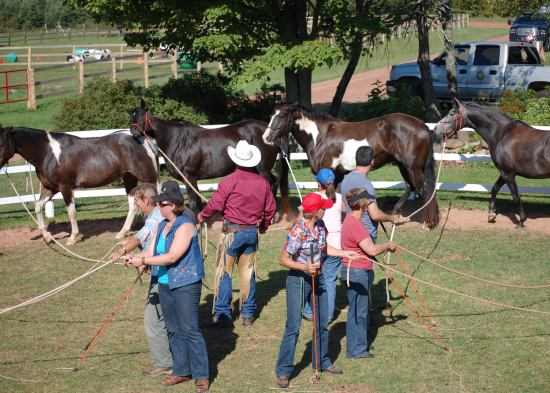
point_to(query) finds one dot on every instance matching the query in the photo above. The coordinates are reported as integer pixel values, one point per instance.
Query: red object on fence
(7, 85)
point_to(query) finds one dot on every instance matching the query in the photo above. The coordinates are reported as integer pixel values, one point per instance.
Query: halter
(146, 122)
(458, 118)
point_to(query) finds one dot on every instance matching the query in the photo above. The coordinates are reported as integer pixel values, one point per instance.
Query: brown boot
(201, 385)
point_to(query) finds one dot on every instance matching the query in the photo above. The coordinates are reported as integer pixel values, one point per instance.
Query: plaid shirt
(301, 238)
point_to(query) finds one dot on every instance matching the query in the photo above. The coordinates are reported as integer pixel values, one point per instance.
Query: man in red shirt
(247, 204)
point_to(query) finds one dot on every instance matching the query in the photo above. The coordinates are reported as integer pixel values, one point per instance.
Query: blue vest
(189, 268)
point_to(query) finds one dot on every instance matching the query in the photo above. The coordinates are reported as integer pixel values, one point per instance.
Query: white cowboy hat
(244, 154)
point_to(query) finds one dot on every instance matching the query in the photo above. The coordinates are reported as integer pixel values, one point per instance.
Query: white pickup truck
(483, 69)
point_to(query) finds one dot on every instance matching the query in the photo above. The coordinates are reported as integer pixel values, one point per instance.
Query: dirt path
(362, 84)
(455, 219)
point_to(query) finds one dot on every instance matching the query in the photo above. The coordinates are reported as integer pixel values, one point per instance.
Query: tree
(446, 17)
(251, 38)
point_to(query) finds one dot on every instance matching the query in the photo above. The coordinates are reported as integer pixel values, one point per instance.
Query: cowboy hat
(244, 154)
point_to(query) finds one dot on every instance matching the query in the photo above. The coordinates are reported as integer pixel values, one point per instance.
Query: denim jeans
(294, 290)
(360, 282)
(244, 242)
(155, 329)
(331, 266)
(181, 315)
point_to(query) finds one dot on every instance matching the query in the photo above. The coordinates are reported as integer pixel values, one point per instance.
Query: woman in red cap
(302, 255)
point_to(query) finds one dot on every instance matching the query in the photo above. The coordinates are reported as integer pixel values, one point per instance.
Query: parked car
(531, 27)
(87, 54)
(483, 69)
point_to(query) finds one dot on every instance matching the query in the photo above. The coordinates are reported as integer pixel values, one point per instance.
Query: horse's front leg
(45, 196)
(68, 197)
(194, 199)
(494, 191)
(129, 183)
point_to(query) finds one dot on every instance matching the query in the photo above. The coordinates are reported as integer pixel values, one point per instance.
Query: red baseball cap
(314, 202)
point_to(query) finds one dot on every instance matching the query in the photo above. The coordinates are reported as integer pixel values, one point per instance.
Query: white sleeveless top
(333, 222)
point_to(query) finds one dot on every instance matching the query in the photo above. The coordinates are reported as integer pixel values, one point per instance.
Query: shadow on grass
(337, 331)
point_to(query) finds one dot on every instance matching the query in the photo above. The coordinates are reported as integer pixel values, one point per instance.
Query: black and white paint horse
(332, 143)
(65, 162)
(516, 148)
(201, 153)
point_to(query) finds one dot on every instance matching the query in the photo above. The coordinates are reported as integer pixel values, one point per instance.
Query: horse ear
(456, 103)
(142, 104)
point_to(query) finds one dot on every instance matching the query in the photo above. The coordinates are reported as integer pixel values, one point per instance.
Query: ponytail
(331, 191)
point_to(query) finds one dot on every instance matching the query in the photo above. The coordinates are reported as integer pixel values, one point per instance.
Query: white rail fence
(107, 192)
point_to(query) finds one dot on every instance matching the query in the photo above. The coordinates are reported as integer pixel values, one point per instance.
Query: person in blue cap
(333, 222)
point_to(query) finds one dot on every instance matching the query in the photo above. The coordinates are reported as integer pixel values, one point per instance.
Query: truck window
(522, 55)
(487, 55)
(461, 53)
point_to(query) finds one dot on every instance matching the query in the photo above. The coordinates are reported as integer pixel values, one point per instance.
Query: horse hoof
(492, 218)
(520, 226)
(48, 238)
(71, 241)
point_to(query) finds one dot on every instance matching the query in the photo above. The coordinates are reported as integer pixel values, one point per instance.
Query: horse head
(454, 121)
(141, 123)
(281, 123)
(7, 147)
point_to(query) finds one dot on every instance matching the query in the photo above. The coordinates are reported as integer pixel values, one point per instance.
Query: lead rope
(388, 255)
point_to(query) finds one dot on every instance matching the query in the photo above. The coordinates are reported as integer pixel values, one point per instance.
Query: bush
(196, 98)
(105, 105)
(524, 105)
(377, 105)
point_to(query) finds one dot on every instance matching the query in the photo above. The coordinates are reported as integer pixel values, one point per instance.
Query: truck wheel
(540, 89)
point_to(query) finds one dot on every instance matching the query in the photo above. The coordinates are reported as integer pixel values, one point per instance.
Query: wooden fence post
(146, 69)
(174, 66)
(121, 61)
(25, 36)
(9, 37)
(70, 34)
(29, 58)
(199, 66)
(113, 62)
(31, 98)
(81, 77)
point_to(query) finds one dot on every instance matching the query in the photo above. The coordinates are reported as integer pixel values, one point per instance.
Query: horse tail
(431, 210)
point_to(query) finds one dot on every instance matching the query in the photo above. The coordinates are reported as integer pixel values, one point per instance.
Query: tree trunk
(432, 112)
(447, 22)
(346, 77)
(293, 27)
(298, 87)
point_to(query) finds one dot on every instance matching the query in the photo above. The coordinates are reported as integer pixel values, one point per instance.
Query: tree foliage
(26, 14)
(253, 38)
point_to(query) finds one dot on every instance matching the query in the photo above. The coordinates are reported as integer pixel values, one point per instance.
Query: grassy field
(490, 349)
(394, 52)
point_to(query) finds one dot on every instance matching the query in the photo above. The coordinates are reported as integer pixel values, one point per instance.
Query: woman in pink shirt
(355, 237)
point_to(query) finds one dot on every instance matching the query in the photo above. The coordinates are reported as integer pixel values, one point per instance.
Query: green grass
(491, 349)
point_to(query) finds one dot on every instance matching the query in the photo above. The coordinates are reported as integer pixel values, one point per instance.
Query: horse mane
(501, 114)
(314, 115)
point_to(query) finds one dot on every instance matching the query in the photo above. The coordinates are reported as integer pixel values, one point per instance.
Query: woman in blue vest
(176, 251)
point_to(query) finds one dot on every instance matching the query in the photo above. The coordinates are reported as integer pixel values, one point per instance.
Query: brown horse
(516, 148)
(332, 143)
(201, 153)
(64, 162)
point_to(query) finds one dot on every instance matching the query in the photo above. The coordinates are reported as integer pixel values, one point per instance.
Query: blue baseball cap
(325, 176)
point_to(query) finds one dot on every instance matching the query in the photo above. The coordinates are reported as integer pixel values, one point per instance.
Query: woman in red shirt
(355, 237)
